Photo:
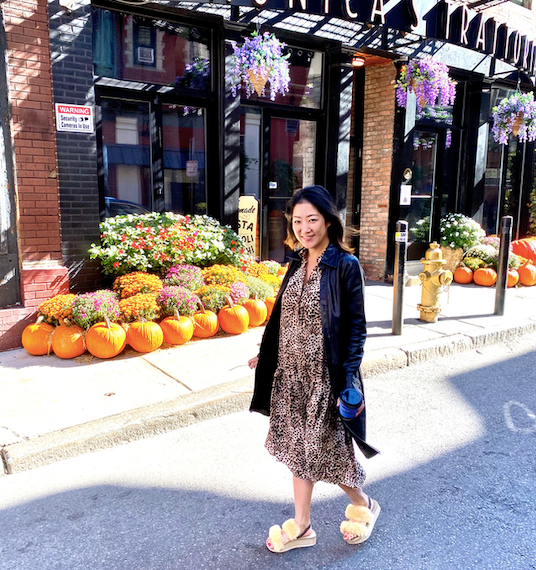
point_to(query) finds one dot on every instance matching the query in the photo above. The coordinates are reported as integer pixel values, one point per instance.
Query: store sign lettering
(442, 20)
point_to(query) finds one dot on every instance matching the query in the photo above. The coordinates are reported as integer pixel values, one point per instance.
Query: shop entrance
(433, 186)
(278, 157)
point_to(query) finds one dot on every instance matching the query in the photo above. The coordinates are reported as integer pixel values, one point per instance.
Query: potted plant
(430, 82)
(259, 61)
(516, 115)
(458, 234)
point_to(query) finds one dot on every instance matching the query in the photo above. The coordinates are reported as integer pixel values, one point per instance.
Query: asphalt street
(455, 480)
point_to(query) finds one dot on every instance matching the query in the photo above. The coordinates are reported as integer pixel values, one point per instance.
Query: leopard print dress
(306, 432)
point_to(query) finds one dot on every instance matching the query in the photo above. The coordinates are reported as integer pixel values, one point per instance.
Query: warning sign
(192, 168)
(74, 118)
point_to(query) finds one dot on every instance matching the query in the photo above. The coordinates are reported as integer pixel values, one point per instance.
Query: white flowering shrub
(458, 230)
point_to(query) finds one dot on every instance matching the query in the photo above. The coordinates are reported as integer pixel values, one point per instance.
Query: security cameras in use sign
(74, 118)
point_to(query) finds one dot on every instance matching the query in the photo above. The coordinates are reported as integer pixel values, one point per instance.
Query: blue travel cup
(350, 399)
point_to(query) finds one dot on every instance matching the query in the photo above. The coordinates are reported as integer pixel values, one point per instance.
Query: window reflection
(305, 87)
(126, 156)
(141, 49)
(183, 139)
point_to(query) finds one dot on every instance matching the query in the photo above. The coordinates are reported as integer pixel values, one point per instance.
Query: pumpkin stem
(107, 321)
(176, 314)
(229, 301)
(40, 319)
(200, 305)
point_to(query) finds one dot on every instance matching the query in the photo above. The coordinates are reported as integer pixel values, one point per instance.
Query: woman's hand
(359, 410)
(252, 362)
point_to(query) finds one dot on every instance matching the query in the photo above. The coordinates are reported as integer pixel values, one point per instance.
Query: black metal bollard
(502, 268)
(401, 243)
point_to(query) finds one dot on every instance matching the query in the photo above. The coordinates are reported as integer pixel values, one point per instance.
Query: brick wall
(72, 72)
(377, 160)
(29, 71)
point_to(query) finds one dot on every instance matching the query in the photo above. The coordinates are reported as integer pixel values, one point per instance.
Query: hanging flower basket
(430, 82)
(517, 115)
(260, 61)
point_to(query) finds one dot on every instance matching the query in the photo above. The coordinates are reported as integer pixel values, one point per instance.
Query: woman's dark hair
(321, 199)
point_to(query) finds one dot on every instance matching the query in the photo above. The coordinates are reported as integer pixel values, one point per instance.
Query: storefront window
(502, 182)
(126, 154)
(134, 48)
(183, 139)
(131, 164)
(305, 87)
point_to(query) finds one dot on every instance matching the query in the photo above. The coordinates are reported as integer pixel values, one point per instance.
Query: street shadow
(472, 506)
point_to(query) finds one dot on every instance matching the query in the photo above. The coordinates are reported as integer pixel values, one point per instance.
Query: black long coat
(344, 332)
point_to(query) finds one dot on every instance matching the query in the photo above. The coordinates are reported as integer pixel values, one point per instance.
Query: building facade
(123, 107)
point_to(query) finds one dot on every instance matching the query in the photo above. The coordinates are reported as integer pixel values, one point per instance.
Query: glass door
(420, 214)
(273, 168)
(291, 166)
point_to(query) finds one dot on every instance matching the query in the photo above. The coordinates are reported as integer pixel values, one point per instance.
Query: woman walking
(310, 353)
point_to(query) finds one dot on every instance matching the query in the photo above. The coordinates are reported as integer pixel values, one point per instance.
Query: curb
(221, 400)
(128, 426)
(385, 360)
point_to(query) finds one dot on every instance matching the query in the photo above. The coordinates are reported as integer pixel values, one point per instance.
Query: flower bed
(156, 242)
(479, 265)
(206, 273)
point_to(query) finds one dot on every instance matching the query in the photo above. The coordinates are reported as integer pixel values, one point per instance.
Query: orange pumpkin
(282, 270)
(234, 319)
(36, 338)
(106, 340)
(145, 337)
(257, 311)
(206, 323)
(525, 248)
(527, 274)
(269, 302)
(68, 341)
(485, 276)
(177, 329)
(512, 278)
(463, 275)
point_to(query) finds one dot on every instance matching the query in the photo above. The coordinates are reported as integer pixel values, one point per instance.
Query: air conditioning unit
(145, 55)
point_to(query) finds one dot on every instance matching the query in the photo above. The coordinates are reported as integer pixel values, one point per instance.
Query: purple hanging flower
(430, 82)
(515, 114)
(261, 57)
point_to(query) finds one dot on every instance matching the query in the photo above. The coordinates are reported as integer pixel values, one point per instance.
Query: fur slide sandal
(296, 540)
(361, 522)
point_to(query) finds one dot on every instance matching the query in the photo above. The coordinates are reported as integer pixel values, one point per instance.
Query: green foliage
(213, 297)
(487, 253)
(473, 263)
(258, 289)
(421, 232)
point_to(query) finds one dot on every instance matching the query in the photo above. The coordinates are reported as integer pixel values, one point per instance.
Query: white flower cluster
(459, 231)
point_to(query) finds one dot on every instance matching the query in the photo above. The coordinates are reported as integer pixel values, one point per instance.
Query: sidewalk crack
(167, 374)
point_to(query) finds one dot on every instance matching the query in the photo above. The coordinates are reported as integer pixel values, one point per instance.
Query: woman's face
(310, 227)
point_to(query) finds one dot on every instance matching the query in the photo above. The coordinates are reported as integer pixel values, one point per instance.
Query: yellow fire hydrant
(432, 278)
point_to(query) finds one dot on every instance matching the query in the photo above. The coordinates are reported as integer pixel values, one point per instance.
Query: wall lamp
(358, 60)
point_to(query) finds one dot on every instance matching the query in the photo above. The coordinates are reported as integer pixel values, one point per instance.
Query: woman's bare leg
(303, 492)
(358, 498)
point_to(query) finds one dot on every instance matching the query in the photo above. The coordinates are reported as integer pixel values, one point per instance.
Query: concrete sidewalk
(52, 409)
